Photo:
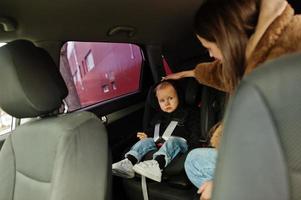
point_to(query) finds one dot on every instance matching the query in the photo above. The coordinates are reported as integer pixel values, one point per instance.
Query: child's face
(167, 99)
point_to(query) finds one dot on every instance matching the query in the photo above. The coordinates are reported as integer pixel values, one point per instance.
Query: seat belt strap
(144, 188)
(168, 131)
(156, 133)
(170, 128)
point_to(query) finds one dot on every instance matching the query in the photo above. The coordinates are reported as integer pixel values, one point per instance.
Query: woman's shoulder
(295, 25)
(291, 38)
(289, 41)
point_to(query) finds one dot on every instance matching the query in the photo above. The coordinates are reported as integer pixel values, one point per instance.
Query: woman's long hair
(229, 23)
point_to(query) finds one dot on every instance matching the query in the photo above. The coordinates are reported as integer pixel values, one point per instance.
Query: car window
(5, 122)
(95, 72)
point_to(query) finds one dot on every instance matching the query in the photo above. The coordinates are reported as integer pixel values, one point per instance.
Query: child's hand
(206, 190)
(141, 135)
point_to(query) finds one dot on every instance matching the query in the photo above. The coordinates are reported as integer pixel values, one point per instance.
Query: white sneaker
(149, 169)
(123, 168)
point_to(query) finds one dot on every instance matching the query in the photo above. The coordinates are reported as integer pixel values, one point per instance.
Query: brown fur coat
(277, 33)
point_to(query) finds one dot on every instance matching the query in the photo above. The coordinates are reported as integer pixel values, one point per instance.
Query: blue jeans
(200, 165)
(169, 149)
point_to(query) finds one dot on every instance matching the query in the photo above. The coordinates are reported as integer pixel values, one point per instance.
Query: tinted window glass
(96, 72)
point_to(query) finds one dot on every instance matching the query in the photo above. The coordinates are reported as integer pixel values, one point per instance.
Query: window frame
(89, 59)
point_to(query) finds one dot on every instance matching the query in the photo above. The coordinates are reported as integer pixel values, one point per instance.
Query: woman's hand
(206, 190)
(179, 75)
(141, 135)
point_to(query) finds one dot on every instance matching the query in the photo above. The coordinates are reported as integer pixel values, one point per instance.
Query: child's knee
(177, 140)
(202, 157)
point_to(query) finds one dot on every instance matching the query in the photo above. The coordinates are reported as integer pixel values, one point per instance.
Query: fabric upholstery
(7, 165)
(62, 157)
(35, 85)
(260, 152)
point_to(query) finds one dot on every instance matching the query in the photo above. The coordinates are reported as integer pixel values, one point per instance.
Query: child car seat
(175, 184)
(174, 176)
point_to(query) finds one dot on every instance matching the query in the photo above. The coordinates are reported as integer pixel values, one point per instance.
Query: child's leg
(200, 165)
(141, 148)
(170, 150)
(124, 168)
(152, 168)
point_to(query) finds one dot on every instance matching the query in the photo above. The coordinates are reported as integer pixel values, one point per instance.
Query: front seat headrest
(30, 82)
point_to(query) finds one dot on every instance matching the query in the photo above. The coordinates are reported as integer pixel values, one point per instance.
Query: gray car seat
(260, 156)
(55, 157)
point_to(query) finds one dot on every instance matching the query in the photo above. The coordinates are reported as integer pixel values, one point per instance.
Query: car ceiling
(155, 22)
(168, 23)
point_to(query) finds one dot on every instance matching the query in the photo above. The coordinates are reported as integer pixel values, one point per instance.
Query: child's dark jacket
(188, 126)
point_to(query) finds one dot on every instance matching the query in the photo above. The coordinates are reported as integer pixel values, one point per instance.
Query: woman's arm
(210, 74)
(179, 75)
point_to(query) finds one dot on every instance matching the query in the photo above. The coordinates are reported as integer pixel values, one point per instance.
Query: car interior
(76, 82)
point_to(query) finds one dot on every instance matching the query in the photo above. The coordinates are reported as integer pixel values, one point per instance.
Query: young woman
(240, 35)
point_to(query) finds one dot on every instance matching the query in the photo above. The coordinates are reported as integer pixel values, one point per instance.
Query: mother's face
(213, 50)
